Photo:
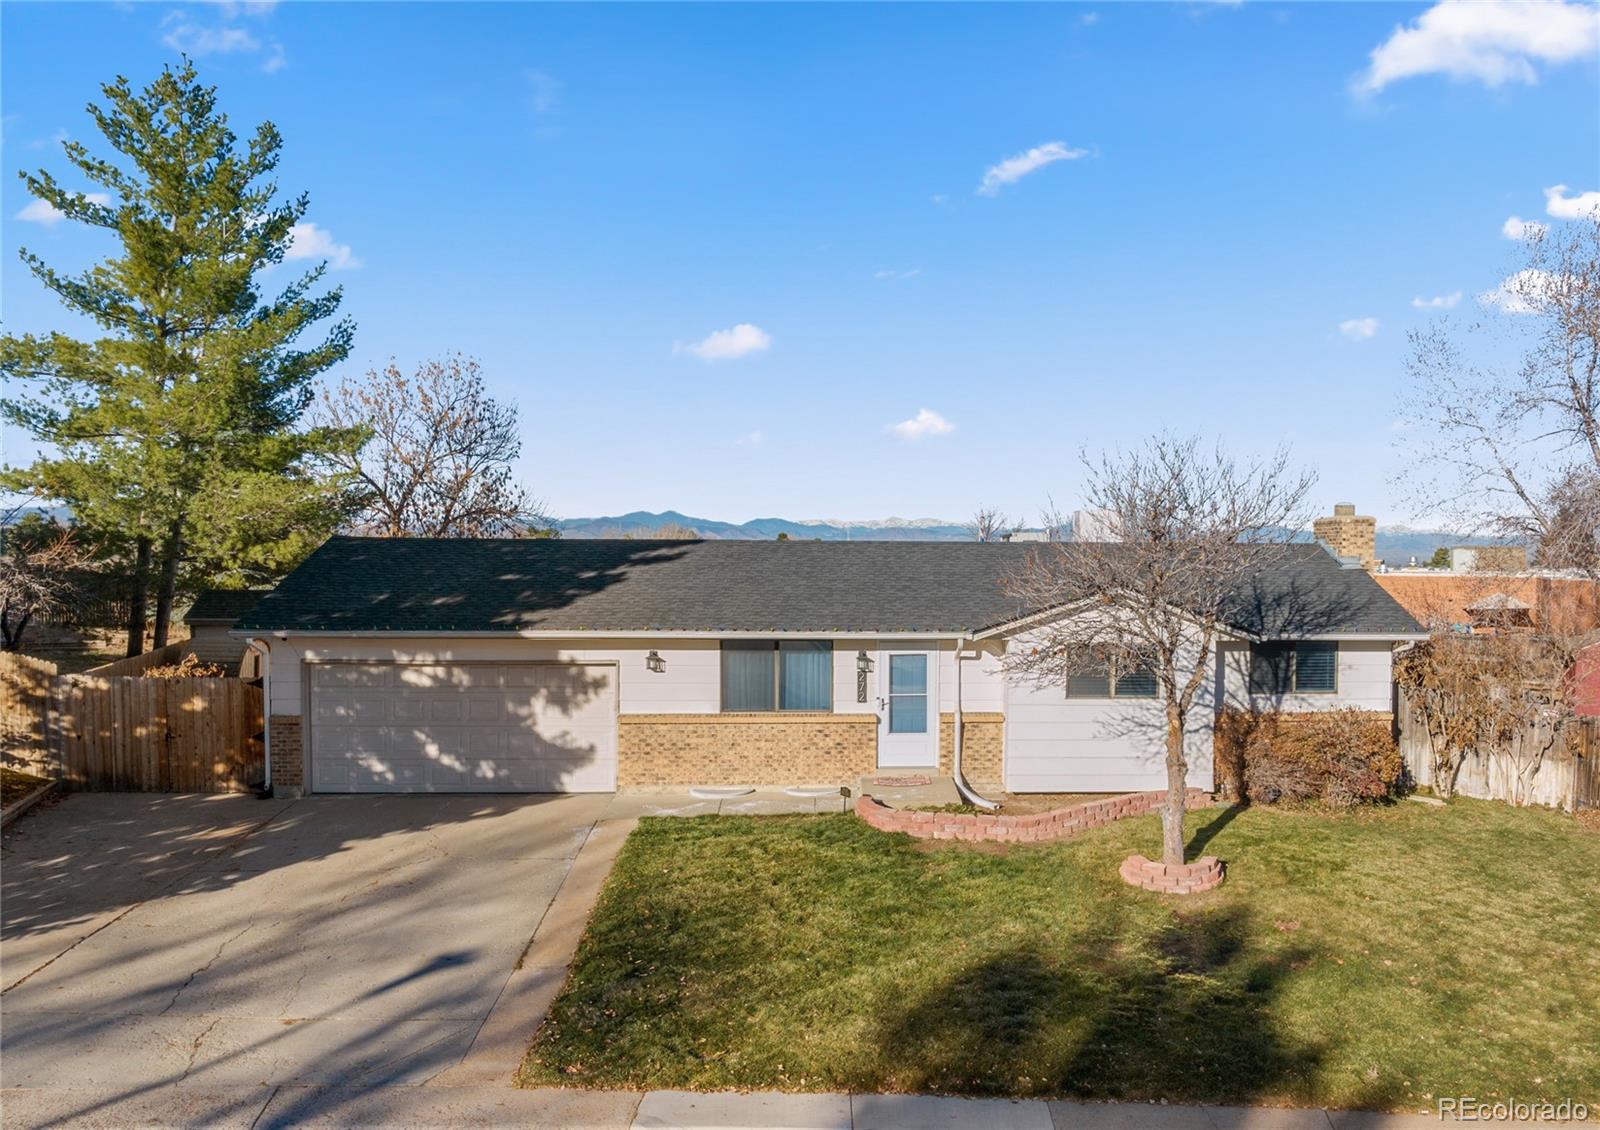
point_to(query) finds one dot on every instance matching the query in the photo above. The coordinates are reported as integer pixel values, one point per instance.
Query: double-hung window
(777, 675)
(1136, 682)
(1305, 667)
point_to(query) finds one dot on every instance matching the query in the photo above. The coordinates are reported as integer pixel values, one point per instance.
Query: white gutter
(265, 652)
(965, 790)
(583, 633)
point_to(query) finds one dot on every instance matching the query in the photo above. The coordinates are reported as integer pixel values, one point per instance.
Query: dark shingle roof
(475, 585)
(222, 605)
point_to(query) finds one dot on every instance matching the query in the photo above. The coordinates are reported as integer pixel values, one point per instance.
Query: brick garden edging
(1036, 828)
(1172, 878)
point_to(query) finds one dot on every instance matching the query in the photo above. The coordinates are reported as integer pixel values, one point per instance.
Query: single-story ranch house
(530, 665)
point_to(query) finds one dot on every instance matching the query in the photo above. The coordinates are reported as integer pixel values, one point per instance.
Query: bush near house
(1337, 757)
(189, 667)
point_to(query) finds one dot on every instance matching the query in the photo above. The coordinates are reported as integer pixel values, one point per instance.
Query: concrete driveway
(230, 942)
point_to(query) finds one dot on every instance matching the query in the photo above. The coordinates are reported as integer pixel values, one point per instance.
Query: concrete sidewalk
(262, 1108)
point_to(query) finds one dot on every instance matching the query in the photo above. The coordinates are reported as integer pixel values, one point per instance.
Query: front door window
(908, 694)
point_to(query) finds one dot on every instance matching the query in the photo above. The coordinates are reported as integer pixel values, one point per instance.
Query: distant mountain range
(1396, 544)
(639, 523)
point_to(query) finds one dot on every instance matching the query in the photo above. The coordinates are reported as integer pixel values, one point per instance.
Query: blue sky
(1199, 197)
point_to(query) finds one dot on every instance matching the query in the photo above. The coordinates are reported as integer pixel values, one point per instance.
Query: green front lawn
(1369, 960)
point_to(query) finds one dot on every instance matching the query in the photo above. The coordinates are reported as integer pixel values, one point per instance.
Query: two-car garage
(536, 727)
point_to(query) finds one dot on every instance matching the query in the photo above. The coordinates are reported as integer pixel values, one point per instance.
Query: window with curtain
(777, 675)
(1137, 683)
(1306, 667)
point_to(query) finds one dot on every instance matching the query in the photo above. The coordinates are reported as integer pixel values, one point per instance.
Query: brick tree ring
(1172, 878)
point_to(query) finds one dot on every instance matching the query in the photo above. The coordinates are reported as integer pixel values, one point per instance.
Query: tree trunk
(138, 584)
(169, 583)
(1177, 770)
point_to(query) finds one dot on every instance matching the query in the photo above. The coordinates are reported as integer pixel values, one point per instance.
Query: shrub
(1338, 757)
(189, 667)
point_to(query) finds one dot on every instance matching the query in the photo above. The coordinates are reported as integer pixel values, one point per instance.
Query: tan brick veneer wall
(283, 738)
(745, 749)
(983, 739)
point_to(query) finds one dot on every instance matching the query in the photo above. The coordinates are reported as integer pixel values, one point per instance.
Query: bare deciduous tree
(1196, 527)
(39, 565)
(438, 460)
(987, 524)
(1514, 401)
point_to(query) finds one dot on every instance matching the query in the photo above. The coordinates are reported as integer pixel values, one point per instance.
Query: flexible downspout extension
(966, 790)
(265, 652)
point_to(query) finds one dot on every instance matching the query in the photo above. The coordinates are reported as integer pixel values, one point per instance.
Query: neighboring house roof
(222, 606)
(1499, 602)
(493, 585)
(1563, 605)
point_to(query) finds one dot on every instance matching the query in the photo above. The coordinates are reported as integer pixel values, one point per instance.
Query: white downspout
(261, 649)
(966, 790)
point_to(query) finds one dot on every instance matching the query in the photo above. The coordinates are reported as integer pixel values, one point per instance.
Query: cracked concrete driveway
(233, 942)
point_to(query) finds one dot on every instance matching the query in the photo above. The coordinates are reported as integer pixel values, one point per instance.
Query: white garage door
(469, 727)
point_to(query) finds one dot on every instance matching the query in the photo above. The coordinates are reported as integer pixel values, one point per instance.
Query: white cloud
(750, 439)
(727, 345)
(1089, 19)
(308, 241)
(224, 36)
(1520, 293)
(46, 213)
(1564, 207)
(925, 423)
(1014, 168)
(892, 274)
(1492, 41)
(200, 41)
(544, 91)
(1438, 301)
(1359, 329)
(1516, 227)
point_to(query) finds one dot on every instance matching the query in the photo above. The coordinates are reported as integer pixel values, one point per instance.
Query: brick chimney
(1349, 534)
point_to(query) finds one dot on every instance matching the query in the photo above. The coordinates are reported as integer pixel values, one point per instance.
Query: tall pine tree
(176, 431)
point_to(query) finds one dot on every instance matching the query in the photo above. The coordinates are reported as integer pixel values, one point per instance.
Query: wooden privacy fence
(100, 731)
(138, 664)
(1566, 776)
(25, 711)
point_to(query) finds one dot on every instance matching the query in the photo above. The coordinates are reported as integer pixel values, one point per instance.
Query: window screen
(1095, 685)
(1098, 684)
(1316, 667)
(1270, 666)
(1137, 684)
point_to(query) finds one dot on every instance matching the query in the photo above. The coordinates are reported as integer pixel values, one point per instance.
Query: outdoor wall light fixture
(863, 665)
(655, 662)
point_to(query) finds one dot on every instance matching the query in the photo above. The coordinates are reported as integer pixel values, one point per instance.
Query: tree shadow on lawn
(1180, 1013)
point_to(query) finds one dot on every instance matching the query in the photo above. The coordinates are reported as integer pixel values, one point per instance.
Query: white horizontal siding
(1060, 744)
(1365, 681)
(689, 684)
(983, 683)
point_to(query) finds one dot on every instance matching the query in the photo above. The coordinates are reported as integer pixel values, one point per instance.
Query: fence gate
(157, 735)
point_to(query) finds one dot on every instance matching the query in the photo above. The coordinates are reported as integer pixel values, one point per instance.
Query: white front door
(908, 708)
